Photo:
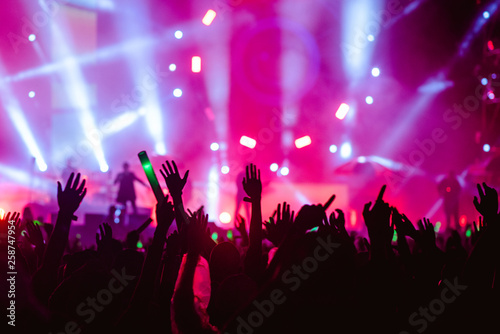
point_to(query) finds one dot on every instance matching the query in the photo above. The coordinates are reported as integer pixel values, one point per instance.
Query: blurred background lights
(375, 72)
(31, 94)
(303, 142)
(214, 146)
(209, 17)
(248, 142)
(484, 81)
(172, 67)
(370, 38)
(333, 148)
(284, 171)
(274, 167)
(486, 147)
(178, 34)
(486, 14)
(224, 169)
(32, 37)
(345, 150)
(196, 64)
(369, 100)
(177, 92)
(342, 111)
(225, 217)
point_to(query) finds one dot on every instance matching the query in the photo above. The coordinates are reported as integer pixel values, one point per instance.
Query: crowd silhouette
(317, 277)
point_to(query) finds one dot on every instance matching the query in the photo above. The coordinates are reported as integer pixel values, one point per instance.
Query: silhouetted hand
(339, 223)
(310, 216)
(197, 233)
(403, 225)
(70, 198)
(252, 184)
(173, 179)
(277, 230)
(427, 236)
(13, 223)
(487, 205)
(240, 226)
(165, 213)
(104, 241)
(191, 214)
(377, 219)
(34, 235)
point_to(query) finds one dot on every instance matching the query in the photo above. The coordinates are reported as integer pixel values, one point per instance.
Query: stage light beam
(248, 142)
(209, 17)
(196, 64)
(303, 142)
(342, 111)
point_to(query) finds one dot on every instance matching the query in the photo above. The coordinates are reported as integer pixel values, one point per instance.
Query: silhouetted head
(126, 166)
(224, 261)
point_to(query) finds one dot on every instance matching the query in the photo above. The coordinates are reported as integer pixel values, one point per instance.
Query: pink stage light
(196, 64)
(342, 111)
(491, 47)
(303, 142)
(209, 17)
(248, 142)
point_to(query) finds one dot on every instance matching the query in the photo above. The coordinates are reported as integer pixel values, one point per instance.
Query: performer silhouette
(449, 188)
(126, 192)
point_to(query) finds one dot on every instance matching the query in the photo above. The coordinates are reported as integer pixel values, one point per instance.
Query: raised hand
(173, 179)
(339, 222)
(191, 214)
(34, 235)
(427, 236)
(487, 205)
(252, 184)
(276, 230)
(197, 233)
(105, 239)
(377, 220)
(70, 198)
(403, 225)
(165, 214)
(310, 216)
(13, 223)
(240, 226)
